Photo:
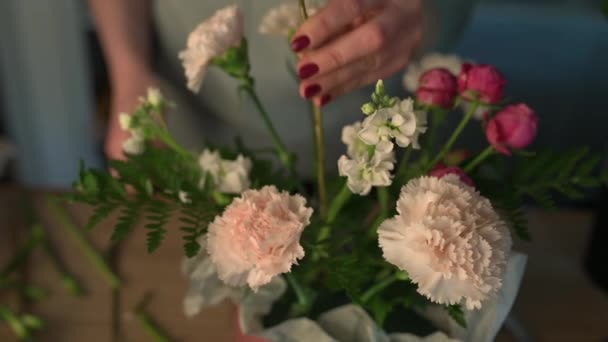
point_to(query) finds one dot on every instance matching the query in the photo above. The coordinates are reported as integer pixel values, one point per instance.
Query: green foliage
(455, 311)
(546, 173)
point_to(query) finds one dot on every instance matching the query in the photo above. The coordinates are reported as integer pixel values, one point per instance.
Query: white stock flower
(400, 122)
(229, 176)
(184, 197)
(363, 167)
(286, 18)
(449, 239)
(135, 144)
(414, 70)
(210, 39)
(154, 97)
(355, 147)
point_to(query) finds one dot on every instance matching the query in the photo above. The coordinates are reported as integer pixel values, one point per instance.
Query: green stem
(89, 251)
(298, 290)
(374, 290)
(284, 155)
(338, 203)
(320, 161)
(31, 292)
(383, 200)
(448, 146)
(404, 162)
(481, 157)
(13, 321)
(36, 237)
(303, 11)
(71, 284)
(319, 143)
(150, 326)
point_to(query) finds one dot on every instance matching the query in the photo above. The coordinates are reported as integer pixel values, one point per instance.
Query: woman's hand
(352, 43)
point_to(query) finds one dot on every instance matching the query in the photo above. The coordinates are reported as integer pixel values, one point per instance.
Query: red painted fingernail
(307, 70)
(325, 99)
(300, 43)
(312, 90)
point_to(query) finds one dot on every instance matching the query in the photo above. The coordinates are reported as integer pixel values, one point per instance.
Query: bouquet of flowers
(408, 224)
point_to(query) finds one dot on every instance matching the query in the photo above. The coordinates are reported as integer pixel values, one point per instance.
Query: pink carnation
(258, 236)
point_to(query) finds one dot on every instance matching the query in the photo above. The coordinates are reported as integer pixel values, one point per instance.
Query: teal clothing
(218, 113)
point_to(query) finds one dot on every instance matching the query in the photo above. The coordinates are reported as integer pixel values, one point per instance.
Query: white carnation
(210, 39)
(449, 239)
(400, 122)
(415, 70)
(229, 176)
(286, 18)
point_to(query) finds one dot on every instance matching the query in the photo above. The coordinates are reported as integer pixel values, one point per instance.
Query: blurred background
(54, 101)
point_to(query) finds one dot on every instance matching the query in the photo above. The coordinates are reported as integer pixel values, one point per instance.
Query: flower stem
(284, 155)
(383, 200)
(404, 162)
(319, 143)
(96, 259)
(481, 157)
(374, 290)
(36, 237)
(338, 202)
(148, 324)
(13, 321)
(298, 290)
(71, 284)
(448, 145)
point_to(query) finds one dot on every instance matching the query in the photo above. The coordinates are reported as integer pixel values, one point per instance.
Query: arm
(124, 28)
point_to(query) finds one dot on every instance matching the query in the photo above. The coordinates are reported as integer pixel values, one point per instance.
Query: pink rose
(513, 127)
(481, 81)
(437, 87)
(258, 236)
(441, 170)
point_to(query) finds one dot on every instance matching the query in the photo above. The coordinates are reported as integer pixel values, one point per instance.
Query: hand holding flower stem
(319, 144)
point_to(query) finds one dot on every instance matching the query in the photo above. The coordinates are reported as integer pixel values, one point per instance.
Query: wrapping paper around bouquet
(484, 324)
(351, 323)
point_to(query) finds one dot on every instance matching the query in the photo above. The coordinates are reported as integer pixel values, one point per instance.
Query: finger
(351, 77)
(365, 40)
(333, 18)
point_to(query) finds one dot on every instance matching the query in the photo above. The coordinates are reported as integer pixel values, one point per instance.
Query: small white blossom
(210, 39)
(355, 147)
(155, 98)
(184, 197)
(400, 122)
(364, 173)
(415, 70)
(133, 145)
(229, 176)
(124, 119)
(136, 143)
(285, 18)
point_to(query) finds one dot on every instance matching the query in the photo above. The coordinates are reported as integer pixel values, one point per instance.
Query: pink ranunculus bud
(441, 170)
(437, 87)
(481, 81)
(513, 127)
